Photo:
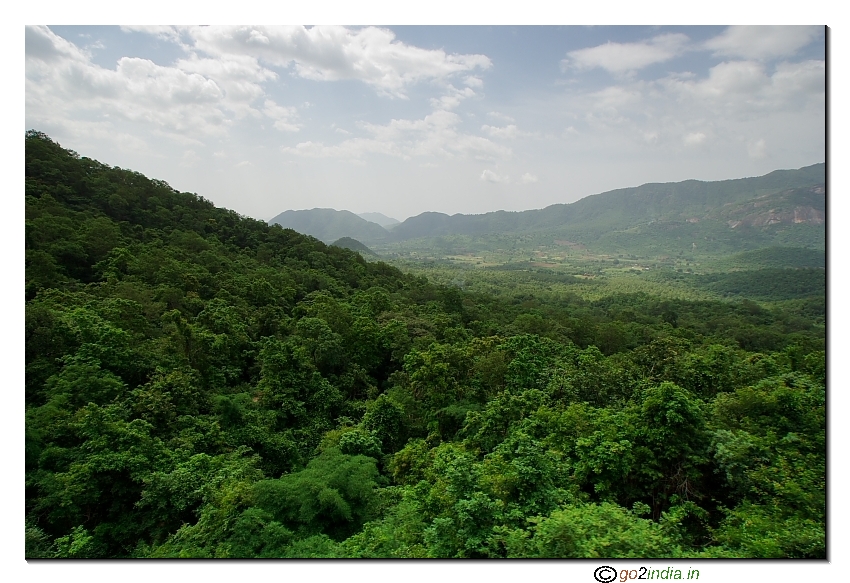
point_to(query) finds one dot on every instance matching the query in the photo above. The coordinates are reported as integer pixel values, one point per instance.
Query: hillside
(380, 219)
(328, 225)
(354, 245)
(782, 208)
(200, 384)
(678, 205)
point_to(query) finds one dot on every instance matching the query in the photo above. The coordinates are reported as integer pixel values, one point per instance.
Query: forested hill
(329, 225)
(354, 245)
(380, 219)
(785, 207)
(201, 384)
(595, 215)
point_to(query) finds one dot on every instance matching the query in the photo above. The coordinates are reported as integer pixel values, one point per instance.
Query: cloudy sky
(402, 120)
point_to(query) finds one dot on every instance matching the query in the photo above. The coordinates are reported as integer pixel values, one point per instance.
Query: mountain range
(329, 225)
(381, 219)
(782, 206)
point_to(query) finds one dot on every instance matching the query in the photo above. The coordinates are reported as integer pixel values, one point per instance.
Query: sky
(406, 119)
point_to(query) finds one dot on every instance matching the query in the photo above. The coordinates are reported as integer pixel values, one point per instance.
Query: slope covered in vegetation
(653, 208)
(329, 225)
(354, 245)
(201, 384)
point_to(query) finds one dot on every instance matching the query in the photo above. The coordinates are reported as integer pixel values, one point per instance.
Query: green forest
(201, 384)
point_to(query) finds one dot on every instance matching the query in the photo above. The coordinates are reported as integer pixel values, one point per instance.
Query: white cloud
(240, 77)
(328, 53)
(453, 98)
(353, 148)
(222, 79)
(740, 88)
(159, 85)
(161, 31)
(614, 105)
(500, 116)
(41, 45)
(528, 178)
(508, 132)
(617, 96)
(757, 149)
(63, 83)
(762, 42)
(88, 133)
(736, 77)
(625, 57)
(434, 135)
(683, 113)
(196, 98)
(190, 158)
(283, 116)
(490, 176)
(806, 77)
(694, 139)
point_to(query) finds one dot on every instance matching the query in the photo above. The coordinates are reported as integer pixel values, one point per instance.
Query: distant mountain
(354, 245)
(431, 224)
(749, 201)
(329, 225)
(783, 208)
(380, 219)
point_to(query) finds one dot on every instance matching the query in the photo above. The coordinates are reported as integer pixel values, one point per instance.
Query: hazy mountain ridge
(380, 219)
(616, 209)
(784, 207)
(329, 225)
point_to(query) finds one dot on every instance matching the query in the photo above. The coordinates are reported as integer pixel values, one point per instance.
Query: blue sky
(402, 120)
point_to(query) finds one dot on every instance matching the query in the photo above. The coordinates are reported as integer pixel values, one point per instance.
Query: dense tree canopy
(201, 384)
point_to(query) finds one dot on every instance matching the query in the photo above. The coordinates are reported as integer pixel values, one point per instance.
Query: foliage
(200, 384)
